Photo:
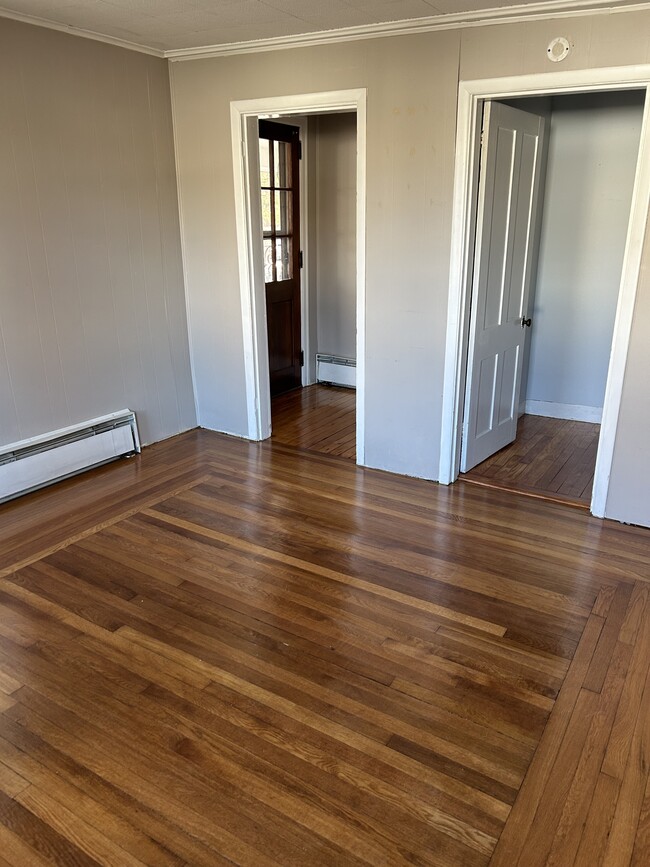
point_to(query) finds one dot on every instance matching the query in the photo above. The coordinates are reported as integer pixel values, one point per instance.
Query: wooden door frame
(306, 311)
(249, 247)
(471, 96)
(274, 130)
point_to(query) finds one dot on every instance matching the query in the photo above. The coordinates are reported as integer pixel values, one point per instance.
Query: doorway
(245, 116)
(546, 442)
(315, 411)
(473, 95)
(279, 153)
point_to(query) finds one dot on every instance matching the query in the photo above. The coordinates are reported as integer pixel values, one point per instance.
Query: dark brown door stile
(280, 194)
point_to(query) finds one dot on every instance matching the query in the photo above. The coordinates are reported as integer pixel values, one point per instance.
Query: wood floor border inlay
(282, 658)
(97, 528)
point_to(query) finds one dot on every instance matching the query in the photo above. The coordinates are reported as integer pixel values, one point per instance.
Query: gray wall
(412, 84)
(92, 310)
(334, 235)
(593, 149)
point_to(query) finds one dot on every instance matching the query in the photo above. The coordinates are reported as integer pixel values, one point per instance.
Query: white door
(506, 237)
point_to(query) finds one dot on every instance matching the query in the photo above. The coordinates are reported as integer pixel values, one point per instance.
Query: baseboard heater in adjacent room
(33, 463)
(335, 370)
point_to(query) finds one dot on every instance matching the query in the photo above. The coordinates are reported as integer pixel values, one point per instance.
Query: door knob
(526, 323)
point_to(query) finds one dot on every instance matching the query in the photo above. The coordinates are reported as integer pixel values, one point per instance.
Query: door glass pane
(267, 221)
(282, 212)
(268, 260)
(265, 171)
(282, 164)
(283, 258)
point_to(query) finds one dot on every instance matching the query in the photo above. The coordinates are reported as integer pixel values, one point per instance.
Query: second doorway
(567, 319)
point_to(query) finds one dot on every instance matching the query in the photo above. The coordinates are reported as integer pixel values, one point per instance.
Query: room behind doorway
(321, 416)
(592, 156)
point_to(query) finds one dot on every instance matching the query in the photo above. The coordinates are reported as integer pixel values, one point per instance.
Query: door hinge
(302, 357)
(300, 265)
(299, 149)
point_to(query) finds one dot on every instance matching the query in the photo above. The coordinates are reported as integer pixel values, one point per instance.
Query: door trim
(470, 99)
(249, 248)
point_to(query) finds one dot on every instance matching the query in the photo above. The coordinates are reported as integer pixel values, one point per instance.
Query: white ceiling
(167, 25)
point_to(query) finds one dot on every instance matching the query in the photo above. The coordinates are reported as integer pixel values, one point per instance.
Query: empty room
(277, 278)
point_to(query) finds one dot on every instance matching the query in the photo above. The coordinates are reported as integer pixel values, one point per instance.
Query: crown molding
(480, 18)
(78, 31)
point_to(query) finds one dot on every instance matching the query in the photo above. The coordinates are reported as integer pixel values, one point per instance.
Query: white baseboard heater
(336, 370)
(33, 463)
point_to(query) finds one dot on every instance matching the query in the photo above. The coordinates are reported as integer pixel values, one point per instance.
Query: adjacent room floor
(551, 458)
(320, 418)
(229, 652)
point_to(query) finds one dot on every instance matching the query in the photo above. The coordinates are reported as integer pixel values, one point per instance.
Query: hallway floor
(320, 418)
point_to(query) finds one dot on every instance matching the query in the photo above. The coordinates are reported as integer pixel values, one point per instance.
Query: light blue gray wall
(335, 153)
(593, 148)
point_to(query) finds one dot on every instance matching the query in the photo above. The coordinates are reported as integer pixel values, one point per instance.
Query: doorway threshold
(551, 459)
(494, 484)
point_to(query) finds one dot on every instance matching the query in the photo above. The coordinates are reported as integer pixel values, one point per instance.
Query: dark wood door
(279, 155)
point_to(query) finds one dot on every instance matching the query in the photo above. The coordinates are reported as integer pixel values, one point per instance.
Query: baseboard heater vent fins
(335, 370)
(33, 463)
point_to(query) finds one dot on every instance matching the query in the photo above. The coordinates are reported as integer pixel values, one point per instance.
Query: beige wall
(412, 83)
(92, 310)
(334, 235)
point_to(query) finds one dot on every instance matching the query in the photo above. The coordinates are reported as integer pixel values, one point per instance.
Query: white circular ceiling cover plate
(558, 49)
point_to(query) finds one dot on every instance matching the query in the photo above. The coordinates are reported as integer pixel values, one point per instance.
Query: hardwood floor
(551, 457)
(226, 652)
(320, 418)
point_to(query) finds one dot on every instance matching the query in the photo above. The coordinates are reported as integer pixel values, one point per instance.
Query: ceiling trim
(79, 31)
(479, 18)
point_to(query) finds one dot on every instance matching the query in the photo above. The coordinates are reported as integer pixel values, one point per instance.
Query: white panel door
(504, 254)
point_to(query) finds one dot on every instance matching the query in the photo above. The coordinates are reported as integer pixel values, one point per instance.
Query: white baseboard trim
(570, 411)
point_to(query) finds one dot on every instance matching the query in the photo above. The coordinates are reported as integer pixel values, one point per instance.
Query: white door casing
(471, 95)
(506, 235)
(249, 246)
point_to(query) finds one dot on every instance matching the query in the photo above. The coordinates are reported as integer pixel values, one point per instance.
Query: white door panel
(505, 237)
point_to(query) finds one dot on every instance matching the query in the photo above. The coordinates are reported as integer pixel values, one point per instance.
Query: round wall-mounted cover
(558, 49)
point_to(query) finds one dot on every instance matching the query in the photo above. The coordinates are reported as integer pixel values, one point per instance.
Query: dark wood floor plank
(159, 841)
(17, 852)
(51, 786)
(41, 835)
